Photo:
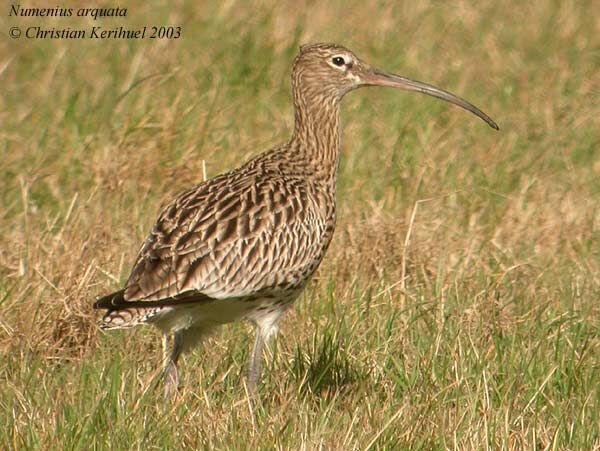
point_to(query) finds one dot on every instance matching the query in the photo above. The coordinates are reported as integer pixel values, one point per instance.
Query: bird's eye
(338, 61)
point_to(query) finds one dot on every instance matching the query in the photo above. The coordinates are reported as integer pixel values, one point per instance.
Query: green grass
(490, 341)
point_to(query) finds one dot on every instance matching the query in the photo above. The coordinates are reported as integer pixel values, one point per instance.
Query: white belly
(208, 315)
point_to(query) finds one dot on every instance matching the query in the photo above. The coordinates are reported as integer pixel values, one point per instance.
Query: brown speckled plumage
(243, 245)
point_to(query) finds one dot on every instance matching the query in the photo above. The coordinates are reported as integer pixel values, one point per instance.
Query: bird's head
(329, 71)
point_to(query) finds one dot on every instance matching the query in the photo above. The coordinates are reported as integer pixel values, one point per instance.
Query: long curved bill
(377, 77)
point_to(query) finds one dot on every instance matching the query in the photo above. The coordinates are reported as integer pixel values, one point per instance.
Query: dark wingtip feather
(110, 301)
(116, 300)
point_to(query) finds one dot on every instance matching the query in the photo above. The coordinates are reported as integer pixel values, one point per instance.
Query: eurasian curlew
(242, 245)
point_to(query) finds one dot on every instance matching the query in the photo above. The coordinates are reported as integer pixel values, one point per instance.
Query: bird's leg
(255, 362)
(170, 373)
(263, 333)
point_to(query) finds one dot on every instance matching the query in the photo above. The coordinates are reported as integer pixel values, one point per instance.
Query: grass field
(458, 306)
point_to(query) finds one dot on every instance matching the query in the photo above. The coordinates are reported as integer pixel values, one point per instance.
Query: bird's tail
(123, 313)
(119, 314)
